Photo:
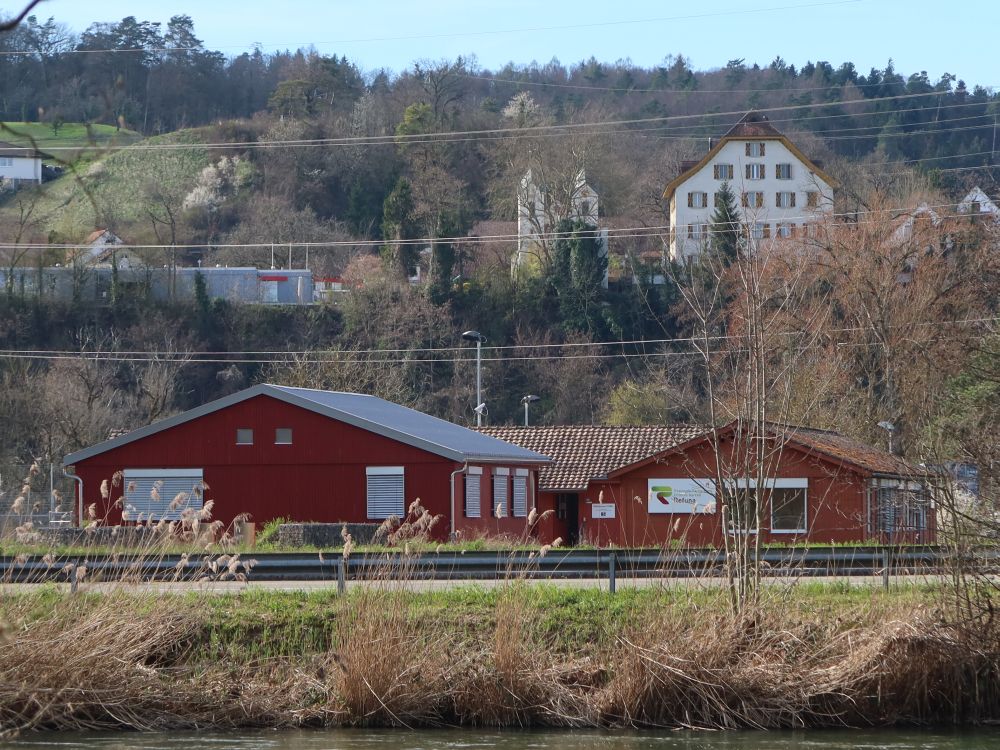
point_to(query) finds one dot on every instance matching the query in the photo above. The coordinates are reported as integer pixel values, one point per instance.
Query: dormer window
(755, 149)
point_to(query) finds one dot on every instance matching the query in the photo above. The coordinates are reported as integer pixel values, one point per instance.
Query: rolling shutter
(520, 497)
(385, 491)
(500, 494)
(162, 493)
(473, 496)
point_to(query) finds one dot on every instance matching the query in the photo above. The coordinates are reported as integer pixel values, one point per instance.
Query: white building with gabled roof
(978, 203)
(779, 191)
(20, 165)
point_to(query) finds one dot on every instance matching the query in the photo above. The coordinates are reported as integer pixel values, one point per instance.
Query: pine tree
(726, 224)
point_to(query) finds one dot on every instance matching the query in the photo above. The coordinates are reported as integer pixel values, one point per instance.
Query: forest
(889, 312)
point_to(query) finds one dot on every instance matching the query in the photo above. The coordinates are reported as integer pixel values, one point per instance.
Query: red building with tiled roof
(641, 486)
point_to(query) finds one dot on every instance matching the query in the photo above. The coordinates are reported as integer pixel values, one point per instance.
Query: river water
(978, 739)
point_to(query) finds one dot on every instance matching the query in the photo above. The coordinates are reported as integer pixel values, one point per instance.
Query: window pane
(244, 436)
(743, 509)
(788, 509)
(283, 436)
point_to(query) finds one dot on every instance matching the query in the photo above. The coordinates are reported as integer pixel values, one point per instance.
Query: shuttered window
(385, 491)
(784, 200)
(723, 171)
(520, 498)
(755, 171)
(697, 199)
(783, 171)
(755, 149)
(473, 496)
(500, 493)
(162, 493)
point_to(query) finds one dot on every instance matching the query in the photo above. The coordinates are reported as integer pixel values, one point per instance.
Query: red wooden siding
(319, 477)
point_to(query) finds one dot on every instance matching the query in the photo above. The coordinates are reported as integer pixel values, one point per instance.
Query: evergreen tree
(399, 223)
(578, 272)
(726, 224)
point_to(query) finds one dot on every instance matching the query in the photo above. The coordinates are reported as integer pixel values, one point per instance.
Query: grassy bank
(812, 655)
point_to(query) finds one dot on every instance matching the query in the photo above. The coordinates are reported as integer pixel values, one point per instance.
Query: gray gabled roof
(367, 412)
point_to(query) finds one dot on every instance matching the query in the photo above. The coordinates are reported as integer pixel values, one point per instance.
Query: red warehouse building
(310, 455)
(644, 486)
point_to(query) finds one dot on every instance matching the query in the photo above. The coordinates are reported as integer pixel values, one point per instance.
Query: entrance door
(568, 514)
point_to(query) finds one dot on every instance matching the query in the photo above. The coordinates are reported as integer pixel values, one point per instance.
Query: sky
(917, 34)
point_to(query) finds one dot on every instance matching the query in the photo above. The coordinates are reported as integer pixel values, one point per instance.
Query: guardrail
(557, 564)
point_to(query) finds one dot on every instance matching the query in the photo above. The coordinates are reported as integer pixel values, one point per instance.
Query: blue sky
(917, 34)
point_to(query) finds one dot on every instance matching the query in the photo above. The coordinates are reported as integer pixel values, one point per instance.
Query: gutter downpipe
(465, 467)
(79, 481)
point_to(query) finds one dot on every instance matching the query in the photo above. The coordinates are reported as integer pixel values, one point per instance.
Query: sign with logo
(681, 496)
(602, 510)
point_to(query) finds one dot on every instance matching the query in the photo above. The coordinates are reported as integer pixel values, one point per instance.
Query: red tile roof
(753, 125)
(582, 453)
(852, 451)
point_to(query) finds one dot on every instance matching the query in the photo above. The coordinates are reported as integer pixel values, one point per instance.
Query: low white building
(778, 190)
(20, 165)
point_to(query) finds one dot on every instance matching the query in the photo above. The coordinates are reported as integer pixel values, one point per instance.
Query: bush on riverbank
(518, 656)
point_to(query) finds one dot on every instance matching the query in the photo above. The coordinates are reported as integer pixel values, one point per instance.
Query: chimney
(711, 143)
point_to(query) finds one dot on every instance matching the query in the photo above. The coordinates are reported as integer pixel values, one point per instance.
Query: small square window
(283, 436)
(244, 436)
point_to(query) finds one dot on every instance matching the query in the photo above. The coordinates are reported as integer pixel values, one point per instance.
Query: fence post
(73, 582)
(612, 565)
(885, 568)
(341, 575)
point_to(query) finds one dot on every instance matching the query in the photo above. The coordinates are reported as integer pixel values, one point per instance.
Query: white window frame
(383, 471)
(277, 436)
(6, 161)
(756, 171)
(756, 149)
(783, 171)
(784, 229)
(474, 473)
(784, 485)
(753, 199)
(244, 430)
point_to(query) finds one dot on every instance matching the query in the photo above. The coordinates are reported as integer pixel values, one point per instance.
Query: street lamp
(480, 339)
(529, 399)
(890, 428)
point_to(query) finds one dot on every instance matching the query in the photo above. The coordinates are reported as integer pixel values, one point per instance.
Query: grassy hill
(73, 140)
(115, 188)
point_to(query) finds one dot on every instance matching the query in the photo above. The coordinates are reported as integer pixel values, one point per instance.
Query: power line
(613, 233)
(479, 32)
(338, 356)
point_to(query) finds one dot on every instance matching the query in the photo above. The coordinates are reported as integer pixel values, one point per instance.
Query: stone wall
(324, 534)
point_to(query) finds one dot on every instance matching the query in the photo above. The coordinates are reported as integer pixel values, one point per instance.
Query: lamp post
(529, 399)
(480, 339)
(890, 428)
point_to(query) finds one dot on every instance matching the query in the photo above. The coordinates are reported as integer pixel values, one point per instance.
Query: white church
(540, 208)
